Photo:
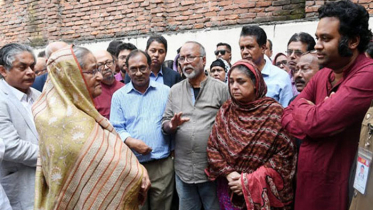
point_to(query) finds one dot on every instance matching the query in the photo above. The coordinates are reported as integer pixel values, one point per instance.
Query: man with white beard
(190, 113)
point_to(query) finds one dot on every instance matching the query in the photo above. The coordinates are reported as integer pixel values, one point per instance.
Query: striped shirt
(139, 116)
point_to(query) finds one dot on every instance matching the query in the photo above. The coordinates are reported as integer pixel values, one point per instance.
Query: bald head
(40, 66)
(53, 47)
(306, 67)
(106, 63)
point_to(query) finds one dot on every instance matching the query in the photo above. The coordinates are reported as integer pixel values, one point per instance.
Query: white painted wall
(279, 33)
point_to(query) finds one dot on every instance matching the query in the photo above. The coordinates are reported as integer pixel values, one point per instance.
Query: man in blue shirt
(136, 114)
(253, 46)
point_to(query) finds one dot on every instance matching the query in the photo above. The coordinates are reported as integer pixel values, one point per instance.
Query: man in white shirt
(17, 128)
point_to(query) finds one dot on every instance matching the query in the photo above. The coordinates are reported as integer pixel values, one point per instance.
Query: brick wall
(36, 21)
(313, 5)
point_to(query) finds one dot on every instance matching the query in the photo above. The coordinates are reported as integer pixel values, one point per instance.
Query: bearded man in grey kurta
(190, 113)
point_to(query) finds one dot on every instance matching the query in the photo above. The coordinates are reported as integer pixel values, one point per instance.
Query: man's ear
(3, 71)
(204, 61)
(263, 48)
(354, 42)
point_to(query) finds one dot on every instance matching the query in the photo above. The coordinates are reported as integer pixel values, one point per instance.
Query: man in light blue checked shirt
(136, 114)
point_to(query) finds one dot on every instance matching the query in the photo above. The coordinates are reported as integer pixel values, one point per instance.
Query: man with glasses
(136, 114)
(190, 113)
(298, 44)
(223, 50)
(106, 65)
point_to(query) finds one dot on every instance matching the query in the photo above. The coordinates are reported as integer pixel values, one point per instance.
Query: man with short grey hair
(190, 113)
(17, 127)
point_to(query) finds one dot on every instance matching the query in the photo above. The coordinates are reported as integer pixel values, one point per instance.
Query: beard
(343, 49)
(109, 78)
(191, 75)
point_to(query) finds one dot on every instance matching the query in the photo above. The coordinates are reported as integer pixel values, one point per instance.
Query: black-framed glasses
(221, 52)
(297, 53)
(188, 59)
(108, 63)
(93, 72)
(283, 62)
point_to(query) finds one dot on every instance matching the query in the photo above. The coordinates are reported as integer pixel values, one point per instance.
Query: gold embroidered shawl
(83, 163)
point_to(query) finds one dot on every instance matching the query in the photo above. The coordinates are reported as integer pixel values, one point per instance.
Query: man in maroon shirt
(327, 114)
(106, 64)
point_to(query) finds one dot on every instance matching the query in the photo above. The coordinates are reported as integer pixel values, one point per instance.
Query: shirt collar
(266, 69)
(132, 88)
(159, 73)
(202, 84)
(21, 96)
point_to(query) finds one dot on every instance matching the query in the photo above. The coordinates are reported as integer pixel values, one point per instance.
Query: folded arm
(334, 114)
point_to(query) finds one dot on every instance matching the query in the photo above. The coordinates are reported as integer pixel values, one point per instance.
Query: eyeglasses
(108, 63)
(93, 72)
(134, 70)
(222, 52)
(297, 53)
(41, 71)
(283, 62)
(188, 59)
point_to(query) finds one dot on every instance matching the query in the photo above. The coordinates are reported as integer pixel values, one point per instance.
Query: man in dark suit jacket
(156, 47)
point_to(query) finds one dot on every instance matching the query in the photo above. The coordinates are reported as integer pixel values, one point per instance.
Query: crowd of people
(121, 128)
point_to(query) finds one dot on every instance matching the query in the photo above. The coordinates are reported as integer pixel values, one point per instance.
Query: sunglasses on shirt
(222, 52)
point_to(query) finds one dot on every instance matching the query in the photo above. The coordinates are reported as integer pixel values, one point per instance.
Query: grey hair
(201, 48)
(81, 53)
(8, 54)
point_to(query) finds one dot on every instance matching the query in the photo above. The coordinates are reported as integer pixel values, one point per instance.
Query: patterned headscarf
(83, 163)
(249, 139)
(260, 86)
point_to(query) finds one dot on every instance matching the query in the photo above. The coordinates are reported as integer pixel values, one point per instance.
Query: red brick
(264, 3)
(248, 15)
(92, 19)
(182, 18)
(184, 3)
(224, 3)
(232, 17)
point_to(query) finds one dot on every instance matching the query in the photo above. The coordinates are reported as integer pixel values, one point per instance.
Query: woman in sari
(83, 164)
(249, 153)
